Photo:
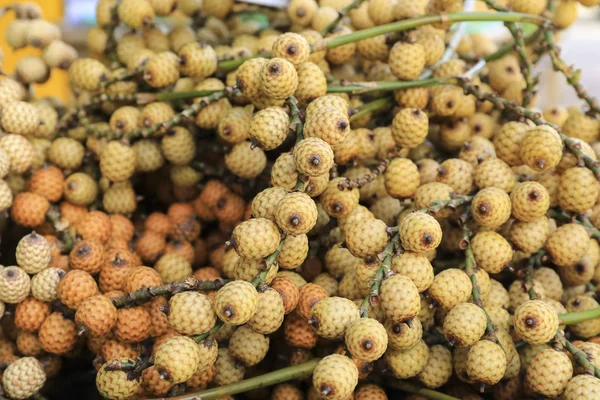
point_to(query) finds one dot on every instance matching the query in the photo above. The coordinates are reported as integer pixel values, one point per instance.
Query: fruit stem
(383, 272)
(412, 388)
(471, 270)
(578, 354)
(535, 117)
(584, 220)
(168, 96)
(460, 31)
(519, 47)
(341, 14)
(123, 75)
(366, 178)
(147, 294)
(111, 43)
(576, 317)
(296, 124)
(73, 113)
(403, 25)
(387, 86)
(213, 331)
(269, 379)
(453, 203)
(572, 76)
(374, 105)
(534, 260)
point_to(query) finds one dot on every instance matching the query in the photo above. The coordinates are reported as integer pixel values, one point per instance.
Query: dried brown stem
(366, 178)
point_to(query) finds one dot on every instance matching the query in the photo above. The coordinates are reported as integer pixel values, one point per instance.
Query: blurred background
(580, 46)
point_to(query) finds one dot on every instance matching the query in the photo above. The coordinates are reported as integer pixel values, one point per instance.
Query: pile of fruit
(337, 200)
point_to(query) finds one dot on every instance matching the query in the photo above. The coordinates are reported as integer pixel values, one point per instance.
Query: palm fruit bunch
(329, 201)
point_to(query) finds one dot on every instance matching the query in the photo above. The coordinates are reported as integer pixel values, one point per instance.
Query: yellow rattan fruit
(246, 161)
(278, 79)
(420, 232)
(541, 149)
(449, 288)
(410, 362)
(549, 372)
(162, 69)
(492, 251)
(269, 127)
(23, 378)
(248, 346)
(585, 387)
(491, 207)
(117, 161)
(407, 60)
(178, 358)
(578, 190)
(465, 324)
(335, 377)
(191, 313)
(535, 322)
(198, 60)
(135, 13)
(567, 244)
(410, 127)
(87, 74)
(236, 303)
(486, 362)
(400, 299)
(331, 317)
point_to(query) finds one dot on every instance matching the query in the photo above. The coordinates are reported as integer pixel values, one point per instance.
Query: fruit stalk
(383, 86)
(576, 317)
(147, 294)
(453, 203)
(296, 125)
(124, 75)
(269, 379)
(583, 220)
(460, 31)
(470, 269)
(382, 273)
(73, 113)
(519, 47)
(534, 260)
(366, 178)
(403, 25)
(572, 77)
(374, 105)
(341, 14)
(535, 117)
(412, 388)
(578, 354)
(111, 43)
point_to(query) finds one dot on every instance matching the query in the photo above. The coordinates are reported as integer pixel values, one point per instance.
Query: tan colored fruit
(407, 60)
(248, 346)
(486, 362)
(236, 302)
(561, 371)
(449, 288)
(256, 238)
(191, 313)
(535, 322)
(335, 377)
(246, 161)
(23, 378)
(465, 324)
(57, 335)
(97, 315)
(492, 251)
(585, 387)
(331, 316)
(438, 369)
(178, 358)
(410, 362)
(228, 369)
(567, 244)
(366, 339)
(133, 325)
(420, 232)
(14, 285)
(402, 178)
(33, 253)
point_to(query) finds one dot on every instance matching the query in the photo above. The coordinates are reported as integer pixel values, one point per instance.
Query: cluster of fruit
(224, 207)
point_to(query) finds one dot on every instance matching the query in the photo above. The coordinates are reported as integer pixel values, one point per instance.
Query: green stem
(576, 317)
(212, 332)
(534, 260)
(403, 25)
(269, 261)
(374, 105)
(168, 96)
(422, 391)
(147, 294)
(72, 113)
(383, 272)
(438, 205)
(272, 378)
(579, 355)
(535, 117)
(572, 77)
(296, 124)
(124, 75)
(519, 47)
(388, 86)
(583, 220)
(341, 14)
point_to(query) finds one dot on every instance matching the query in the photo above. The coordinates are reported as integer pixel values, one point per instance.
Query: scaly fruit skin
(292, 47)
(269, 127)
(278, 78)
(438, 369)
(491, 207)
(535, 322)
(288, 291)
(44, 285)
(198, 60)
(450, 287)
(162, 69)
(402, 178)
(529, 236)
(339, 203)
(335, 377)
(327, 122)
(135, 13)
(578, 190)
(269, 314)
(30, 314)
(410, 127)
(465, 324)
(245, 161)
(14, 285)
(228, 369)
(312, 83)
(410, 362)
(23, 378)
(33, 253)
(191, 313)
(256, 238)
(486, 362)
(331, 316)
(117, 161)
(567, 244)
(57, 334)
(366, 238)
(582, 387)
(530, 201)
(294, 251)
(428, 193)
(415, 266)
(116, 384)
(492, 251)
(586, 329)
(75, 287)
(236, 302)
(97, 314)
(178, 357)
(494, 172)
(366, 339)
(508, 142)
(549, 372)
(88, 74)
(248, 346)
(407, 60)
(66, 153)
(19, 150)
(20, 118)
(400, 299)
(542, 148)
(313, 156)
(420, 232)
